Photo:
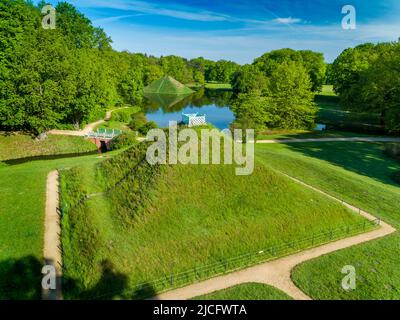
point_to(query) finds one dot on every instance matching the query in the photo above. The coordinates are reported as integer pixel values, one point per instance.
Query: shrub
(393, 150)
(396, 177)
(147, 127)
(137, 122)
(123, 141)
(246, 124)
(124, 115)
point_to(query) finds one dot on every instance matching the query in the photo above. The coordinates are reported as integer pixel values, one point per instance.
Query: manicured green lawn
(218, 86)
(327, 90)
(303, 134)
(360, 174)
(117, 125)
(212, 86)
(17, 146)
(22, 205)
(181, 230)
(337, 167)
(247, 291)
(195, 216)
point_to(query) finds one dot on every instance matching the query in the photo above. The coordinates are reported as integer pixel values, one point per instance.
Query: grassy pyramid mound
(151, 222)
(167, 85)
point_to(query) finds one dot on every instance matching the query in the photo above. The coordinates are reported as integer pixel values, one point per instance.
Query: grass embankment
(17, 146)
(22, 207)
(360, 174)
(247, 291)
(154, 224)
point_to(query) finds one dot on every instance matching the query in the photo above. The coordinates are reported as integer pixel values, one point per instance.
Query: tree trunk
(383, 118)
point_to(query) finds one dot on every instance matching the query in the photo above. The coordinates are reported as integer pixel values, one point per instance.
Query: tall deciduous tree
(286, 103)
(249, 78)
(366, 78)
(223, 71)
(379, 87)
(177, 68)
(313, 62)
(347, 69)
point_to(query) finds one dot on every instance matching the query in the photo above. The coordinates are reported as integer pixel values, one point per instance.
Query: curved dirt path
(52, 244)
(277, 273)
(89, 128)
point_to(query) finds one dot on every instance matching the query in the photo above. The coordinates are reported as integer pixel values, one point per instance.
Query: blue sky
(240, 30)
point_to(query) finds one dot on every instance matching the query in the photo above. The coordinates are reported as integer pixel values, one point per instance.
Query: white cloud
(180, 12)
(175, 11)
(115, 18)
(289, 20)
(246, 44)
(242, 43)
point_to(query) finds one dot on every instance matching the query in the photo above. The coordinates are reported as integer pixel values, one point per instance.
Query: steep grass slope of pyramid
(167, 85)
(151, 222)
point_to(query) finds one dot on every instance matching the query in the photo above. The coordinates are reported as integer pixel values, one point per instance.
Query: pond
(214, 104)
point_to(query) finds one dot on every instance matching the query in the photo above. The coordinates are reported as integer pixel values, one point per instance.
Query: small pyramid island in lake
(167, 85)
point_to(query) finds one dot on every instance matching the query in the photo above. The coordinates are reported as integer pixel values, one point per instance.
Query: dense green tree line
(284, 99)
(221, 71)
(70, 75)
(277, 90)
(367, 79)
(248, 76)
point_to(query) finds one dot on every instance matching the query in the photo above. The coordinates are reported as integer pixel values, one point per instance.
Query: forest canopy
(367, 79)
(69, 76)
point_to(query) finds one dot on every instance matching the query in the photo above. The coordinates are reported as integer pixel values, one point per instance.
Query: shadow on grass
(13, 162)
(331, 114)
(21, 280)
(366, 159)
(112, 285)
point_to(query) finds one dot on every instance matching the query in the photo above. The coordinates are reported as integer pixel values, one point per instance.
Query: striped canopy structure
(194, 119)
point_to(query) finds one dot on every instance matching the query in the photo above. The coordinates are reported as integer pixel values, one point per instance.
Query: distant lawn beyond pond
(218, 86)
